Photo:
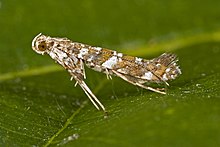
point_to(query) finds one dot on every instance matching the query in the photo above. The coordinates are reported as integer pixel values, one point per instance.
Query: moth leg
(107, 74)
(90, 98)
(77, 71)
(126, 78)
(150, 88)
(76, 81)
(76, 84)
(88, 92)
(83, 69)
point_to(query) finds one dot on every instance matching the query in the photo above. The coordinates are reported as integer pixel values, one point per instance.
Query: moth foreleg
(88, 95)
(88, 92)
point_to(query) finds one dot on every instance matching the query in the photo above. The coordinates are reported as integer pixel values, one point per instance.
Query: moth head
(39, 44)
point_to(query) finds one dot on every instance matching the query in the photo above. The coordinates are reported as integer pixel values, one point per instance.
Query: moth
(73, 56)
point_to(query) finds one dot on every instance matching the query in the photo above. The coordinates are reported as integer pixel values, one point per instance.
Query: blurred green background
(40, 107)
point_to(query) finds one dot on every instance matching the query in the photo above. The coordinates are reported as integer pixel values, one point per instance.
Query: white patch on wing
(165, 77)
(119, 60)
(60, 53)
(147, 75)
(138, 60)
(158, 65)
(122, 71)
(75, 60)
(82, 52)
(57, 54)
(178, 70)
(110, 62)
(167, 70)
(52, 55)
(98, 48)
(91, 58)
(119, 54)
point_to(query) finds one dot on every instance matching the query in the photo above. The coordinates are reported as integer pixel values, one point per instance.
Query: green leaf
(39, 105)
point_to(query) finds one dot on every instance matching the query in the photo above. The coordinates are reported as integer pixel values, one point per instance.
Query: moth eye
(42, 46)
